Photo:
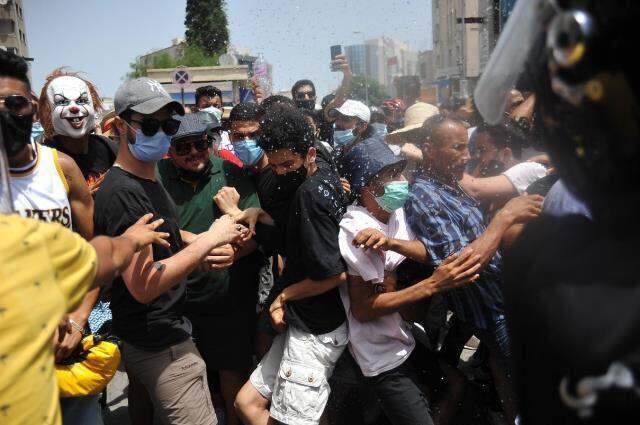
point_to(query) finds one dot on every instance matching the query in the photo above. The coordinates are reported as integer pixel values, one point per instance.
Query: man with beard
(224, 298)
(292, 376)
(67, 107)
(445, 219)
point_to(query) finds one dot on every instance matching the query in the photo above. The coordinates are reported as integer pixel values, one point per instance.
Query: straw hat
(414, 116)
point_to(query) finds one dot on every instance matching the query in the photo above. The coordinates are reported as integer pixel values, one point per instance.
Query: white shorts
(294, 374)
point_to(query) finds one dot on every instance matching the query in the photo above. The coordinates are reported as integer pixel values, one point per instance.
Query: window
(7, 26)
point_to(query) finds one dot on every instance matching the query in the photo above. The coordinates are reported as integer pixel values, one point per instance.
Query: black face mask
(16, 131)
(309, 104)
(290, 182)
(194, 176)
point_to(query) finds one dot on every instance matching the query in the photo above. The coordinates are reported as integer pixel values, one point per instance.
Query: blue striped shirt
(445, 220)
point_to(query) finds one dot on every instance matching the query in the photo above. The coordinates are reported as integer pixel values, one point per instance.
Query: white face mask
(72, 110)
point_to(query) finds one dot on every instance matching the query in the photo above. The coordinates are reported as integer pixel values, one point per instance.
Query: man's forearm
(81, 314)
(488, 243)
(151, 279)
(113, 257)
(414, 250)
(378, 305)
(310, 288)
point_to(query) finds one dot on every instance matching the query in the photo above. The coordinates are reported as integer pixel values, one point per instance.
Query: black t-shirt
(99, 158)
(572, 301)
(275, 202)
(121, 200)
(312, 250)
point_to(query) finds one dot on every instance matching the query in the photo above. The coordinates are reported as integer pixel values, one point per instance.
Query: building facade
(382, 59)
(464, 35)
(13, 36)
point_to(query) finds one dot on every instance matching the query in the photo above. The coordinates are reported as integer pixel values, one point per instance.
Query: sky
(101, 37)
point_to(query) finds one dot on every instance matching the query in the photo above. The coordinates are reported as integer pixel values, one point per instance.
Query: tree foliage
(377, 92)
(207, 37)
(206, 23)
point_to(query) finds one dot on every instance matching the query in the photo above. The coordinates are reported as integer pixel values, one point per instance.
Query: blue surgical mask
(248, 151)
(342, 138)
(36, 130)
(395, 195)
(215, 111)
(381, 128)
(150, 148)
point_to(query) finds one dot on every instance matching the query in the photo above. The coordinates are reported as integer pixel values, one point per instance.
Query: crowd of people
(304, 260)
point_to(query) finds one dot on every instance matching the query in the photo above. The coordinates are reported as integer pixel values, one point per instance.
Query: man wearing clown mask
(68, 106)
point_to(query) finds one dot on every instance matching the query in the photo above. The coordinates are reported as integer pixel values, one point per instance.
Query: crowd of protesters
(287, 260)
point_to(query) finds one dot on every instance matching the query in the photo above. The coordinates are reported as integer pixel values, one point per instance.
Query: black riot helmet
(577, 57)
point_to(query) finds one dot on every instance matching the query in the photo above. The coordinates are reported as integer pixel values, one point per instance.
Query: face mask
(381, 128)
(72, 109)
(150, 148)
(395, 195)
(36, 130)
(16, 131)
(342, 138)
(308, 104)
(215, 111)
(290, 182)
(248, 151)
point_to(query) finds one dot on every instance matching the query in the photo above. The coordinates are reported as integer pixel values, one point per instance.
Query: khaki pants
(176, 380)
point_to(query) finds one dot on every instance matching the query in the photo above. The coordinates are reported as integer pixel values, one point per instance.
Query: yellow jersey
(45, 271)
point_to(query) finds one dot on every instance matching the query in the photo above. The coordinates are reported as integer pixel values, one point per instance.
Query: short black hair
(210, 91)
(13, 66)
(246, 112)
(277, 99)
(285, 128)
(504, 135)
(301, 83)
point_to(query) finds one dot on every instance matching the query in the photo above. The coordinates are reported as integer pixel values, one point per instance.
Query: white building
(382, 59)
(464, 34)
(13, 36)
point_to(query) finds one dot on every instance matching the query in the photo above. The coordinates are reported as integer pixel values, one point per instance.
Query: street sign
(181, 77)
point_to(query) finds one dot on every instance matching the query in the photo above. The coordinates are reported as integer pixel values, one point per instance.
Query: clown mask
(72, 111)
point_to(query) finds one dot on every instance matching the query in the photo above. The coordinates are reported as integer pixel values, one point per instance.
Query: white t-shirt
(523, 174)
(384, 343)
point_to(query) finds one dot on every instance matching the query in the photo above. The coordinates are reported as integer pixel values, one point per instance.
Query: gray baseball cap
(145, 96)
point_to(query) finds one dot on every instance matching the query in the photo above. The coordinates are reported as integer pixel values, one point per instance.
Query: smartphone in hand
(335, 51)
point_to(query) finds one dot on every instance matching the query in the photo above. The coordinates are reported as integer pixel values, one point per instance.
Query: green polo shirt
(218, 291)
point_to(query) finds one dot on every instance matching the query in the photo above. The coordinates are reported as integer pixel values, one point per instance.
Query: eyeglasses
(305, 95)
(16, 104)
(183, 147)
(150, 126)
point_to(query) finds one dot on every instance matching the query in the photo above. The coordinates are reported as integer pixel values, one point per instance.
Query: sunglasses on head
(150, 126)
(183, 147)
(17, 104)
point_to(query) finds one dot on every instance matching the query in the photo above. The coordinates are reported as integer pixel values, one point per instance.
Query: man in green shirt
(221, 301)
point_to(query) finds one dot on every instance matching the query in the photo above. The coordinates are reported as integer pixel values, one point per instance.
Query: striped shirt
(445, 220)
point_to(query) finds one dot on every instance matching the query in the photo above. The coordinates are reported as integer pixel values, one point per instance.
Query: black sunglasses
(17, 104)
(303, 95)
(150, 126)
(184, 147)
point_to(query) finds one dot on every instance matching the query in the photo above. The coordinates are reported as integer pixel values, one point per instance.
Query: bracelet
(75, 325)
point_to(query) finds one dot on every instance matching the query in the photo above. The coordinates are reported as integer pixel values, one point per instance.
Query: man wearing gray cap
(147, 300)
